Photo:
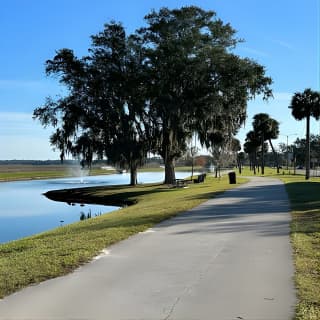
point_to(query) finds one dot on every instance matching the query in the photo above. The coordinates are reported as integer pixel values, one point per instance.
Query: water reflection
(25, 211)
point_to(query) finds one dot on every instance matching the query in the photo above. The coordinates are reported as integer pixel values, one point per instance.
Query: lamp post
(287, 135)
(287, 153)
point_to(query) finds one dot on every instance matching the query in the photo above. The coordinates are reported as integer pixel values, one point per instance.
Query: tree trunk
(255, 163)
(168, 156)
(275, 155)
(262, 154)
(251, 161)
(133, 175)
(308, 149)
(170, 175)
(192, 169)
(239, 164)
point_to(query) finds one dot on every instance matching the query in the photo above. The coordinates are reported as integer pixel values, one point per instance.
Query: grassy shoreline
(51, 254)
(60, 251)
(37, 172)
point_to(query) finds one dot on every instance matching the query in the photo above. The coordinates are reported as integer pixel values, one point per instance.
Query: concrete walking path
(229, 258)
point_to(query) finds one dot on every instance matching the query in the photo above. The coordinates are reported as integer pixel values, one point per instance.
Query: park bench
(180, 183)
(200, 178)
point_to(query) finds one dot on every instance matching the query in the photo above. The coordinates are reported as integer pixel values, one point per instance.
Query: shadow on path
(252, 207)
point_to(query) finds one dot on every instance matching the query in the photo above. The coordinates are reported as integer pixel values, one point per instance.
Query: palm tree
(235, 148)
(267, 129)
(273, 133)
(304, 106)
(250, 147)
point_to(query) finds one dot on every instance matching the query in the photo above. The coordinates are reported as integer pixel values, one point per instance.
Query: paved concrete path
(229, 258)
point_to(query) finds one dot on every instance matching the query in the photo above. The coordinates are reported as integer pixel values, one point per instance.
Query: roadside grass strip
(305, 236)
(60, 251)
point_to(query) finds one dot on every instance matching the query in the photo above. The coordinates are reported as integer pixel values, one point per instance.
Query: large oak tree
(104, 110)
(196, 83)
(152, 90)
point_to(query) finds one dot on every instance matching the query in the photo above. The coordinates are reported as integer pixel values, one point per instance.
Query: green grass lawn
(60, 251)
(51, 254)
(268, 172)
(28, 172)
(305, 236)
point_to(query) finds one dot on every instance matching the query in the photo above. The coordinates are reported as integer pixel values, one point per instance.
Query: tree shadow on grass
(304, 195)
(263, 209)
(305, 203)
(218, 215)
(236, 203)
(120, 196)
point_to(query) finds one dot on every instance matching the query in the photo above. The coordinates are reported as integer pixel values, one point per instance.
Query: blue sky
(282, 35)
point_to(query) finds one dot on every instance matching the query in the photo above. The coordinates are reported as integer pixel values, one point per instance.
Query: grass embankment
(305, 238)
(30, 172)
(147, 168)
(51, 254)
(268, 172)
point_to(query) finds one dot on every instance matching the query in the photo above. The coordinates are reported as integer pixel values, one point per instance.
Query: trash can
(232, 177)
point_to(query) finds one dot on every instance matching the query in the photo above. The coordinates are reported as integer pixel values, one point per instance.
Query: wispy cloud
(15, 116)
(19, 124)
(23, 138)
(25, 95)
(284, 44)
(44, 85)
(255, 52)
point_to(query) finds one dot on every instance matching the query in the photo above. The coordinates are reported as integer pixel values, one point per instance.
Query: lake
(25, 211)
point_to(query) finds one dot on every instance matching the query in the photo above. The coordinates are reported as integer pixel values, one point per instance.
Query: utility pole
(287, 153)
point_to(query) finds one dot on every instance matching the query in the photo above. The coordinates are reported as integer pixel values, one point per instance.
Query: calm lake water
(25, 211)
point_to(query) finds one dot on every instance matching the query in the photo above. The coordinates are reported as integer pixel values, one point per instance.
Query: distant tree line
(151, 90)
(35, 162)
(292, 155)
(298, 149)
(304, 105)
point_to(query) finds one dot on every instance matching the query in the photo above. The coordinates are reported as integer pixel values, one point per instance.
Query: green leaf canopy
(151, 90)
